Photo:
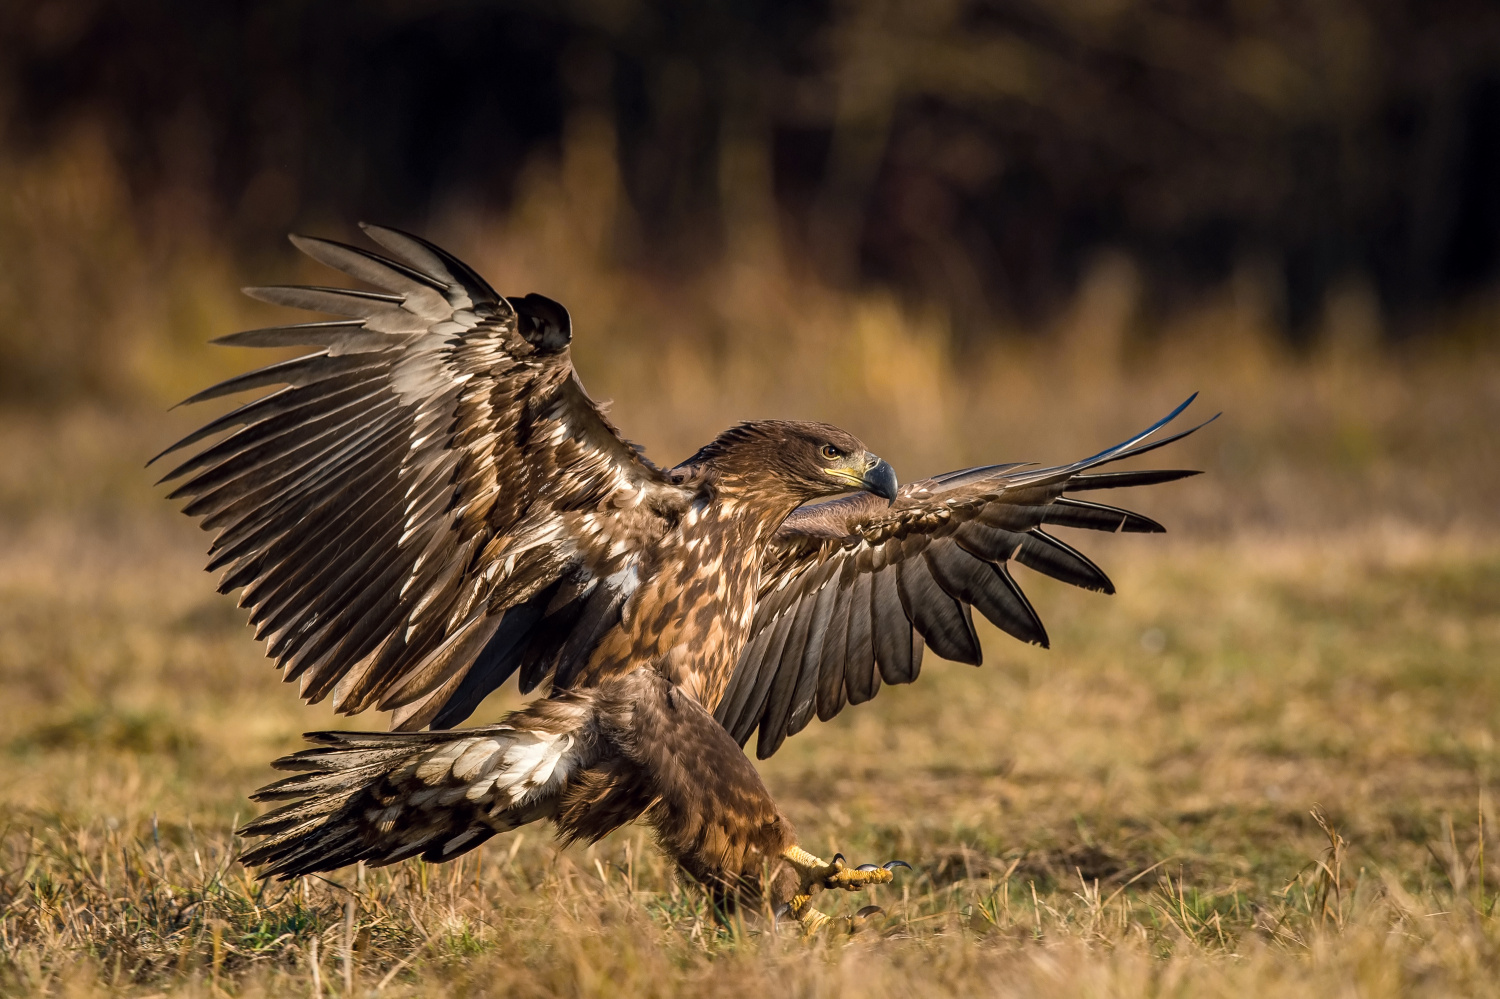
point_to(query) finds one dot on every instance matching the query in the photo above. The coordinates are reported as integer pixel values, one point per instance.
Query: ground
(1266, 766)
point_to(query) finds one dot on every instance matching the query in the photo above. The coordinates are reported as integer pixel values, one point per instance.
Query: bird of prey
(431, 503)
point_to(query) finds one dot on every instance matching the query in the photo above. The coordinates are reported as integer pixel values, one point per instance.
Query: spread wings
(851, 589)
(432, 463)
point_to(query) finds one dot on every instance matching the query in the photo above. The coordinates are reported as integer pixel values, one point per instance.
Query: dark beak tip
(881, 480)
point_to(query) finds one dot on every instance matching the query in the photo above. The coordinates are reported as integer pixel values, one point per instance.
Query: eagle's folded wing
(851, 588)
(433, 463)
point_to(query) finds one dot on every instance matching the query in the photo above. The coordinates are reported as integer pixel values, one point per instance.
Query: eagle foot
(815, 922)
(817, 875)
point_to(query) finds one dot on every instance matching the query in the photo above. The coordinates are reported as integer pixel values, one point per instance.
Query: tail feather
(384, 797)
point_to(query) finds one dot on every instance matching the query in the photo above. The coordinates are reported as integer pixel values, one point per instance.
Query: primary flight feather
(431, 503)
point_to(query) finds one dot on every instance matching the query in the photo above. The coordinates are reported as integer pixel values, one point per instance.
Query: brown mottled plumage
(432, 503)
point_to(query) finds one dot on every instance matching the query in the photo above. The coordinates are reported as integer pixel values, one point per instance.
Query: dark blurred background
(970, 154)
(946, 217)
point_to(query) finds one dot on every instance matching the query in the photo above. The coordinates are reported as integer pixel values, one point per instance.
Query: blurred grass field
(1267, 766)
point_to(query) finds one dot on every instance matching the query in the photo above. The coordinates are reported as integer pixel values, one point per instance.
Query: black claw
(838, 861)
(867, 867)
(891, 865)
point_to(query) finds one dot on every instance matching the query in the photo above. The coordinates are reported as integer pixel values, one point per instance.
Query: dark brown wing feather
(427, 475)
(858, 586)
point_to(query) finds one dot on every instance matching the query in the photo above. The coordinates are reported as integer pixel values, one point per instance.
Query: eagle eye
(830, 452)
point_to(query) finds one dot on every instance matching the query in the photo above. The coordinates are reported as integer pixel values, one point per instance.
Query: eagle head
(802, 461)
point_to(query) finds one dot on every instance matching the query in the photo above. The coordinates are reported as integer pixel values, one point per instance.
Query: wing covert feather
(885, 579)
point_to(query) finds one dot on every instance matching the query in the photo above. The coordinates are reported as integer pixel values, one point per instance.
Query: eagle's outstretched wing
(431, 465)
(852, 588)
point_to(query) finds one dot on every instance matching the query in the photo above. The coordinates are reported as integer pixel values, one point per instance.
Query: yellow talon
(817, 874)
(849, 879)
(812, 922)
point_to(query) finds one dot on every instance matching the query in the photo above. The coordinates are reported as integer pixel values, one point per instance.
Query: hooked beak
(880, 479)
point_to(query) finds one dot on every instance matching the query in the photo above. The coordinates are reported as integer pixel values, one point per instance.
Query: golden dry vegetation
(1266, 767)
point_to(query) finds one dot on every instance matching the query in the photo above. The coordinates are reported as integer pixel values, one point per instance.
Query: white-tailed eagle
(430, 503)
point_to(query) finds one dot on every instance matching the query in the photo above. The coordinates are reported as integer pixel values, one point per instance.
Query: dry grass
(1264, 768)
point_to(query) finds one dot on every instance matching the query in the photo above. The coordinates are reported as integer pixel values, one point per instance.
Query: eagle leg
(817, 875)
(710, 809)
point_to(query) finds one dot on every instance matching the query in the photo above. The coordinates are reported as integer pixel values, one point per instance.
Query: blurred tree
(973, 154)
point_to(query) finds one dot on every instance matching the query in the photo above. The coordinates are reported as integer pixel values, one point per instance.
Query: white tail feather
(382, 797)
